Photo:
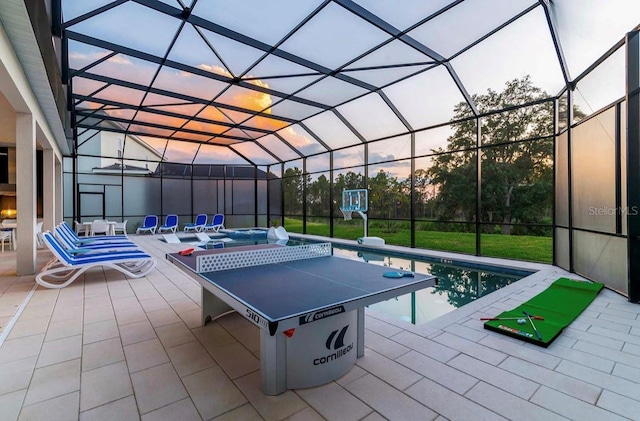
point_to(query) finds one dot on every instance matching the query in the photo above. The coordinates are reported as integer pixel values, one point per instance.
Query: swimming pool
(459, 283)
(217, 243)
(245, 233)
(233, 237)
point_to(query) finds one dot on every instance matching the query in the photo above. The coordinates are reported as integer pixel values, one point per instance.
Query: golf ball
(521, 321)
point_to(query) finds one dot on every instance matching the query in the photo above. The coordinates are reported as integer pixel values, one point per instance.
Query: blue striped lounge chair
(65, 267)
(90, 240)
(67, 241)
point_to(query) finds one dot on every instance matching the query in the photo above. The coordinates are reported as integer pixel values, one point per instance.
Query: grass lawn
(521, 247)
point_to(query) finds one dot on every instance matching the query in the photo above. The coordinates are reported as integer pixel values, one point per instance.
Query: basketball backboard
(354, 200)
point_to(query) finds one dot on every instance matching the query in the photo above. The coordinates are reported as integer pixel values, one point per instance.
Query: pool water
(250, 242)
(459, 283)
(245, 233)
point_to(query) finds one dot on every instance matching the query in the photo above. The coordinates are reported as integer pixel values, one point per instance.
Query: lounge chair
(278, 233)
(91, 240)
(84, 247)
(171, 239)
(217, 223)
(198, 225)
(150, 224)
(170, 224)
(204, 238)
(208, 242)
(64, 267)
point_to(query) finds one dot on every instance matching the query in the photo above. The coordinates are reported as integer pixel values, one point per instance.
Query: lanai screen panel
(331, 73)
(344, 91)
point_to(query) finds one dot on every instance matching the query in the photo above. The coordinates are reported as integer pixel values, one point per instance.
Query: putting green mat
(559, 305)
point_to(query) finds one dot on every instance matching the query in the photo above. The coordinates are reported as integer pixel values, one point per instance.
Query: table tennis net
(258, 257)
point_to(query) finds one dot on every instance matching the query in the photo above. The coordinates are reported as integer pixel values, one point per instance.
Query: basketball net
(346, 214)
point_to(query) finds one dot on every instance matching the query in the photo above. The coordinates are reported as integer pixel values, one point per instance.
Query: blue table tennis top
(287, 289)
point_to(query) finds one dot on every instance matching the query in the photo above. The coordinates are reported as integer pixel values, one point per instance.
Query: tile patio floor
(108, 348)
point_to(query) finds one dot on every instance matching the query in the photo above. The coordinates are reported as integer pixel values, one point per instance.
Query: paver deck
(112, 348)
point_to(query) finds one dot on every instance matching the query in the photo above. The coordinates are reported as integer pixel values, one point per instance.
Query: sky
(332, 39)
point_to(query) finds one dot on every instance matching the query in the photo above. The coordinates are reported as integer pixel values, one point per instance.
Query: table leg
(273, 363)
(212, 307)
(360, 348)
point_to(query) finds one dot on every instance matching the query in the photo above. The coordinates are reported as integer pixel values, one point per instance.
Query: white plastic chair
(99, 226)
(39, 238)
(81, 229)
(120, 227)
(67, 236)
(6, 234)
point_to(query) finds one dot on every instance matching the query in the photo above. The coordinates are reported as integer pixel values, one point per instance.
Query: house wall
(136, 154)
(101, 150)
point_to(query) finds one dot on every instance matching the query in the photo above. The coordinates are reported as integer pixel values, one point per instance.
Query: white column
(49, 192)
(26, 192)
(59, 206)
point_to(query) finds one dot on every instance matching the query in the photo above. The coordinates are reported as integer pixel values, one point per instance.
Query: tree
(385, 192)
(292, 189)
(463, 286)
(516, 175)
(425, 194)
(318, 196)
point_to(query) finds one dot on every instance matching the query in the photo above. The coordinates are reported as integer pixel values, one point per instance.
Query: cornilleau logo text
(335, 341)
(312, 317)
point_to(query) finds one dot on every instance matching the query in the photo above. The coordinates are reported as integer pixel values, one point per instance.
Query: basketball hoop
(355, 201)
(346, 214)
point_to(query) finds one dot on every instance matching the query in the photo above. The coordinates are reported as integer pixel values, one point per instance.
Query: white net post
(364, 217)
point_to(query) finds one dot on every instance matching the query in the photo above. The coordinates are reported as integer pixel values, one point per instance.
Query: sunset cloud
(138, 71)
(119, 59)
(300, 141)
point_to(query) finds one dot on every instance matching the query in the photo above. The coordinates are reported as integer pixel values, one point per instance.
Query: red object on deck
(186, 252)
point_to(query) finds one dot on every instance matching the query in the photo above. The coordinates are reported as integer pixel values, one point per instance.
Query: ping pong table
(308, 304)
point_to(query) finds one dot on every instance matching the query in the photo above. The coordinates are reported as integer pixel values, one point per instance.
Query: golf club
(510, 318)
(532, 325)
